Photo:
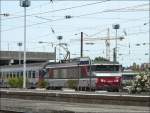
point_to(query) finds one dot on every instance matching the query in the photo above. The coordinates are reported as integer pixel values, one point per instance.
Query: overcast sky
(46, 21)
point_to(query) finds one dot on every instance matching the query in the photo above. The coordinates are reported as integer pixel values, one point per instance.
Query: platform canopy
(13, 56)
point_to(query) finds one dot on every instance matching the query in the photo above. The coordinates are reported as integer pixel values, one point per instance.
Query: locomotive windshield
(106, 68)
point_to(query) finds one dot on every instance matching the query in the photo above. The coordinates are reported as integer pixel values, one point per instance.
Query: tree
(100, 59)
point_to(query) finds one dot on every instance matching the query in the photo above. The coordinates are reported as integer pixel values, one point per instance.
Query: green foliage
(72, 84)
(100, 59)
(128, 83)
(42, 83)
(15, 82)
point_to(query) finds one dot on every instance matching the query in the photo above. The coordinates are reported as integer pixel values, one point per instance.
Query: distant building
(145, 66)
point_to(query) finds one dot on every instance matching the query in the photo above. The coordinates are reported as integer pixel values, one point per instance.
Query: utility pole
(81, 44)
(114, 55)
(107, 41)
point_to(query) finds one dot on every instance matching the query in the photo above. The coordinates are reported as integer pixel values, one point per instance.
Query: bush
(42, 84)
(141, 84)
(128, 83)
(72, 84)
(15, 82)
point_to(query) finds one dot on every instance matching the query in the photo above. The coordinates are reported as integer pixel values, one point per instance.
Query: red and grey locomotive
(95, 76)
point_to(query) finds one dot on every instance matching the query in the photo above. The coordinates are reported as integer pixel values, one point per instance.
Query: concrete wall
(7, 55)
(12, 57)
(80, 98)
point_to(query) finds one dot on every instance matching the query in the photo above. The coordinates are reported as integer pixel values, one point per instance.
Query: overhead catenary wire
(57, 10)
(63, 9)
(136, 33)
(109, 18)
(39, 23)
(110, 10)
(30, 8)
(87, 14)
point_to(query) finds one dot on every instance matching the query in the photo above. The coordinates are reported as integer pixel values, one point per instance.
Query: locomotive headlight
(102, 80)
(116, 80)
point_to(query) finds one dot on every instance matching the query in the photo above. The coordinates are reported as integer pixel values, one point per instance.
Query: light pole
(19, 44)
(59, 38)
(116, 27)
(24, 3)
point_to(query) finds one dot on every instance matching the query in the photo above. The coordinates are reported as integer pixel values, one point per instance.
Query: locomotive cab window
(107, 68)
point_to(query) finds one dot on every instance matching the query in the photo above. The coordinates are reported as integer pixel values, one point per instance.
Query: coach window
(29, 74)
(4, 75)
(21, 73)
(33, 74)
(7, 75)
(10, 75)
(0, 75)
(14, 74)
(18, 73)
(37, 74)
